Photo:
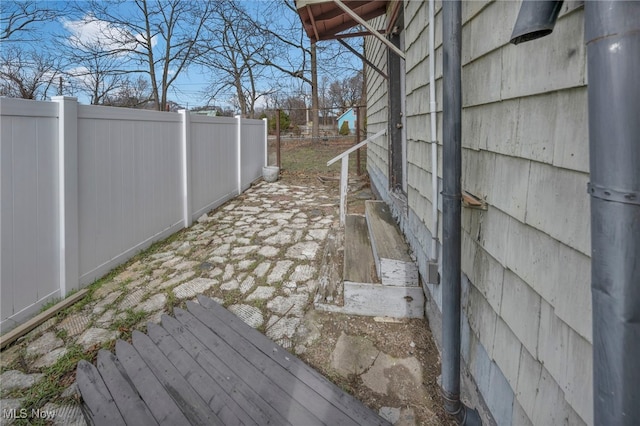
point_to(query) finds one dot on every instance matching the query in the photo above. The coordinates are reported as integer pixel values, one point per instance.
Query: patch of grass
(310, 158)
(171, 301)
(259, 303)
(61, 333)
(56, 378)
(125, 325)
(50, 304)
(231, 297)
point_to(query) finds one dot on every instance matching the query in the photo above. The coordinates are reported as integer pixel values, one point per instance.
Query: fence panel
(214, 160)
(29, 273)
(252, 151)
(129, 184)
(86, 187)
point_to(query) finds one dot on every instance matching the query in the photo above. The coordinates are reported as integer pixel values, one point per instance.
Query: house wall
(377, 110)
(525, 260)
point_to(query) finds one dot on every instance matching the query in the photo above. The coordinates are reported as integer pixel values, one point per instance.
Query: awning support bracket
(372, 30)
(366, 61)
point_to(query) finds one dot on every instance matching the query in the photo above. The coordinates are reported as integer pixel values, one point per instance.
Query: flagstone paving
(259, 255)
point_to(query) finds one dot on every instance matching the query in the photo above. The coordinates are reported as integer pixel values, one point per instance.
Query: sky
(189, 88)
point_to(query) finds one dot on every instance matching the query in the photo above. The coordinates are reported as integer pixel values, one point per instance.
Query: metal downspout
(434, 134)
(452, 206)
(612, 35)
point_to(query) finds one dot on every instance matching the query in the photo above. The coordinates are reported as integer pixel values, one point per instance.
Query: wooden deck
(207, 367)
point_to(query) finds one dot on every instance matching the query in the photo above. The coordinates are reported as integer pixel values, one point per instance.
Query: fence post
(266, 141)
(68, 241)
(186, 168)
(239, 145)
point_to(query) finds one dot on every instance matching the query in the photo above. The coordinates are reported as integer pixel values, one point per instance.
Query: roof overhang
(327, 19)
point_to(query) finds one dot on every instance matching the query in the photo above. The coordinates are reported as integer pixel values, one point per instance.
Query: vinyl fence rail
(84, 188)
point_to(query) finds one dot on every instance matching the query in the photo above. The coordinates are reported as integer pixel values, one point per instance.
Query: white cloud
(90, 31)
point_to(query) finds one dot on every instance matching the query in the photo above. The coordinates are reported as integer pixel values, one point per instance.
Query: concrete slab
(353, 355)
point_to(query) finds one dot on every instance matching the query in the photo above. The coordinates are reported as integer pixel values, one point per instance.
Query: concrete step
(375, 300)
(394, 265)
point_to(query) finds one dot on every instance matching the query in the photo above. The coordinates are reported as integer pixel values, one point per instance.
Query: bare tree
(345, 93)
(27, 74)
(132, 93)
(160, 36)
(234, 56)
(96, 72)
(18, 19)
(291, 53)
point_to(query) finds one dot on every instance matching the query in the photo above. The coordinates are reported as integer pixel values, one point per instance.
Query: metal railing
(344, 172)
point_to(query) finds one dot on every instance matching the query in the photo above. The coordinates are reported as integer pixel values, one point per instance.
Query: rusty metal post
(278, 138)
(358, 139)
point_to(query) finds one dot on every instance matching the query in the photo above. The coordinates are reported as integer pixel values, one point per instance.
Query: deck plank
(193, 406)
(279, 393)
(229, 411)
(360, 413)
(206, 366)
(122, 391)
(162, 406)
(255, 405)
(102, 408)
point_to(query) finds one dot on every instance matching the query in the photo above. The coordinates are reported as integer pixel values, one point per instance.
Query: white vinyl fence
(85, 187)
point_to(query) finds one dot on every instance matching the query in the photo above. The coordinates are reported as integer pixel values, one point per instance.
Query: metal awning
(327, 19)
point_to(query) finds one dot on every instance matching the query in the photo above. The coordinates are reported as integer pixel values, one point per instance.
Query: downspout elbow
(536, 19)
(463, 415)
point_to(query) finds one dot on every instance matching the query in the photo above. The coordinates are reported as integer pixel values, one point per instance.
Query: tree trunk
(314, 93)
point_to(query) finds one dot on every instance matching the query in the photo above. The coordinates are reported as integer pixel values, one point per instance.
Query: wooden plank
(162, 406)
(229, 411)
(122, 391)
(359, 265)
(256, 406)
(23, 329)
(326, 390)
(389, 247)
(192, 405)
(98, 401)
(384, 301)
(276, 387)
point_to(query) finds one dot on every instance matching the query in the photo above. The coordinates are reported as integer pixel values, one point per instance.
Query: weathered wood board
(207, 367)
(390, 251)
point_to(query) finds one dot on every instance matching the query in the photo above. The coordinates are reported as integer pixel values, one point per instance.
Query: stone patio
(258, 255)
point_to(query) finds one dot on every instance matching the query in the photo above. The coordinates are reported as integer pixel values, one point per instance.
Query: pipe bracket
(610, 194)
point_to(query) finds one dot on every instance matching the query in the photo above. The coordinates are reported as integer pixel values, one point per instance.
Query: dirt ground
(303, 163)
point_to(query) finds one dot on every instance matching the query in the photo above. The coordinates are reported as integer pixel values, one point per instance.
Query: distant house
(350, 117)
